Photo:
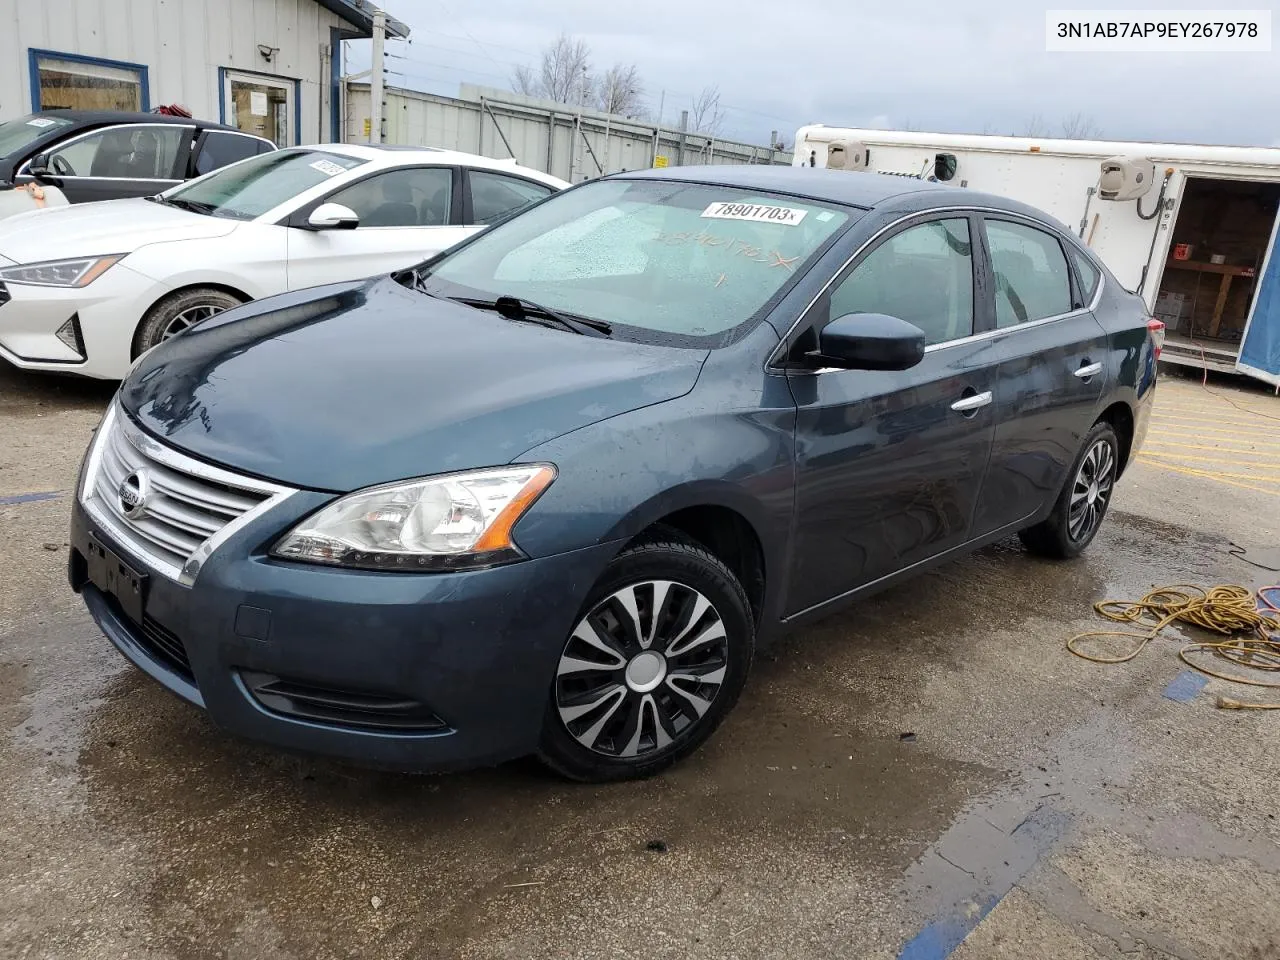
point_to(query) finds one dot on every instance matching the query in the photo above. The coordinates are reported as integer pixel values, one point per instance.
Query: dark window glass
(221, 149)
(1032, 281)
(1089, 274)
(493, 195)
(418, 197)
(923, 275)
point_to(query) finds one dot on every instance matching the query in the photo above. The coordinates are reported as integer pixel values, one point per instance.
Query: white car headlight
(452, 522)
(79, 272)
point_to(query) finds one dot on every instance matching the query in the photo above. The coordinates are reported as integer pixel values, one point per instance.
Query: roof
(866, 190)
(1043, 146)
(359, 13)
(83, 117)
(402, 155)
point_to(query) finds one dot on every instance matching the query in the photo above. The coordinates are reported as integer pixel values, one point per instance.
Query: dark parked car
(546, 492)
(104, 155)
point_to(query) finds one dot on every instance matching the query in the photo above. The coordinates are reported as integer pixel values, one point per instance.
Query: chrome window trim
(153, 449)
(25, 169)
(772, 363)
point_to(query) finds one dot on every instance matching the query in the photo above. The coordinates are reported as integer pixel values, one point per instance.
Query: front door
(406, 216)
(1052, 369)
(889, 464)
(111, 163)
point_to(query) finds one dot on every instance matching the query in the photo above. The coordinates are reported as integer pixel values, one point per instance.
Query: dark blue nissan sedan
(548, 491)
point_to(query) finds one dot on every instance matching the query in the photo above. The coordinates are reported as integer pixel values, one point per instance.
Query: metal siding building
(264, 65)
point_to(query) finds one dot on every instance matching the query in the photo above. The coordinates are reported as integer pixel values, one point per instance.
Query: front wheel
(1084, 500)
(656, 660)
(179, 311)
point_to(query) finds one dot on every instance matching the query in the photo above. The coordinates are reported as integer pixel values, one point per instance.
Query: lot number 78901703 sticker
(760, 213)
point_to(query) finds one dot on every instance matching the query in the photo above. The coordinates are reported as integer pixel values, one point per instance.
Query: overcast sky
(950, 65)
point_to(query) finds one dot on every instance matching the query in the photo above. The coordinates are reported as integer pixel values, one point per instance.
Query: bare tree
(1078, 126)
(705, 114)
(563, 74)
(1035, 127)
(620, 90)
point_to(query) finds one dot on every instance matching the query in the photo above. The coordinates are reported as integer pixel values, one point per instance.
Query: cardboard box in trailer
(1192, 228)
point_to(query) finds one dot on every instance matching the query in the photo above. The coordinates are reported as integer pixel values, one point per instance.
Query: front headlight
(61, 273)
(452, 522)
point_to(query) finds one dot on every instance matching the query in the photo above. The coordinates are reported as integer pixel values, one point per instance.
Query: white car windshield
(16, 134)
(677, 259)
(250, 188)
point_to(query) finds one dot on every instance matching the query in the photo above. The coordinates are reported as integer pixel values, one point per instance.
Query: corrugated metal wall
(182, 42)
(540, 135)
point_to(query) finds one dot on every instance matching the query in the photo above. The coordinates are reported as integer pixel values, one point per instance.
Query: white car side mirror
(333, 216)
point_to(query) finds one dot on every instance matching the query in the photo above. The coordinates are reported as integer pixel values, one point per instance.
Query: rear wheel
(656, 660)
(178, 312)
(1084, 500)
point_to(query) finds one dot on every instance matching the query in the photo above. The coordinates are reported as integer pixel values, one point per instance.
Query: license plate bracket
(117, 579)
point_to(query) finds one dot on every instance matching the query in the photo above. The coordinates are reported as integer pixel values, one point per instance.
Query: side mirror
(333, 216)
(40, 171)
(869, 341)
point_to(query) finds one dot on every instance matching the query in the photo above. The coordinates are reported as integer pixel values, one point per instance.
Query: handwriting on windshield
(733, 246)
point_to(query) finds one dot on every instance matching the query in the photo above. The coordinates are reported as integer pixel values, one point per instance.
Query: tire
(178, 311)
(622, 708)
(1063, 535)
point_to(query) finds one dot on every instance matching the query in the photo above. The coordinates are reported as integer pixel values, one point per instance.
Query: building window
(262, 105)
(64, 81)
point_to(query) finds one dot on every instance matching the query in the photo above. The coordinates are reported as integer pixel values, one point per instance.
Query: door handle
(972, 402)
(1088, 370)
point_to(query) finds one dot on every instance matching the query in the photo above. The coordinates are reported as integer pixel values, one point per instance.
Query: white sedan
(87, 288)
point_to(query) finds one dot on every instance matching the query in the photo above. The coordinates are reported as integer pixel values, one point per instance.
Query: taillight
(1156, 329)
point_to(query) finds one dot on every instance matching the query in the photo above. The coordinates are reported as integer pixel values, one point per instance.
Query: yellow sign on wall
(368, 127)
(659, 161)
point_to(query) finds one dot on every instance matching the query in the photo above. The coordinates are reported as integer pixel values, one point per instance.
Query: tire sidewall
(1100, 431)
(162, 314)
(695, 568)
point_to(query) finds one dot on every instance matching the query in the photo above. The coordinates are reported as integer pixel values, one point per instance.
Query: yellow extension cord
(1226, 609)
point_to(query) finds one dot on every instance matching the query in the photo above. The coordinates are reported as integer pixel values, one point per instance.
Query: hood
(111, 226)
(350, 385)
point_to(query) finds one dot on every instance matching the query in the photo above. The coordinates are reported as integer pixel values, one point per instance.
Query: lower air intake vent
(358, 709)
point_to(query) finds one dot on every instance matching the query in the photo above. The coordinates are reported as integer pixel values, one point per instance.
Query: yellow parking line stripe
(1208, 476)
(1234, 463)
(1179, 430)
(1201, 446)
(1259, 424)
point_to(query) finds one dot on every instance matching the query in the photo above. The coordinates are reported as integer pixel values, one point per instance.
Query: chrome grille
(188, 507)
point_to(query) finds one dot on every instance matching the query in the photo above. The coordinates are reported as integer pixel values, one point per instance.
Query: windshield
(250, 188)
(16, 134)
(690, 260)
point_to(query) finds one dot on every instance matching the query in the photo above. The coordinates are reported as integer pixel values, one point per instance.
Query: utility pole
(582, 99)
(607, 121)
(376, 76)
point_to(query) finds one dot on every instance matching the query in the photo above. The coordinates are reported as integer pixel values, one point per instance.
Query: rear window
(17, 134)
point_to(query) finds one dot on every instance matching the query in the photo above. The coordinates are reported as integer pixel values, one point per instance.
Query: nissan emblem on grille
(133, 493)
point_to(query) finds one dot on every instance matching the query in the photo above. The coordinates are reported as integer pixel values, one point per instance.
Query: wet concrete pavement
(1040, 805)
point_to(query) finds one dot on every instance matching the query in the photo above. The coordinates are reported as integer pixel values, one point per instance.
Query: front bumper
(108, 311)
(475, 650)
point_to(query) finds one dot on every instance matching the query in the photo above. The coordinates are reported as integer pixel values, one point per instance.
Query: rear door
(889, 464)
(406, 215)
(1052, 370)
(127, 160)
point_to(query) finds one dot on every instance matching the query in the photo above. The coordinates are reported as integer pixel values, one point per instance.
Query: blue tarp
(1260, 351)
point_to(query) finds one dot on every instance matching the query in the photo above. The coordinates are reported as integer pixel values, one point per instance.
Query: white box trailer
(1190, 227)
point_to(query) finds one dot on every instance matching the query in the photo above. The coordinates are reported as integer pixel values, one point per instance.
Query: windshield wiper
(195, 206)
(520, 309)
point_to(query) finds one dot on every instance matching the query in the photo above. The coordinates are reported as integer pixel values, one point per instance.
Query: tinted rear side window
(1032, 279)
(1089, 274)
(221, 149)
